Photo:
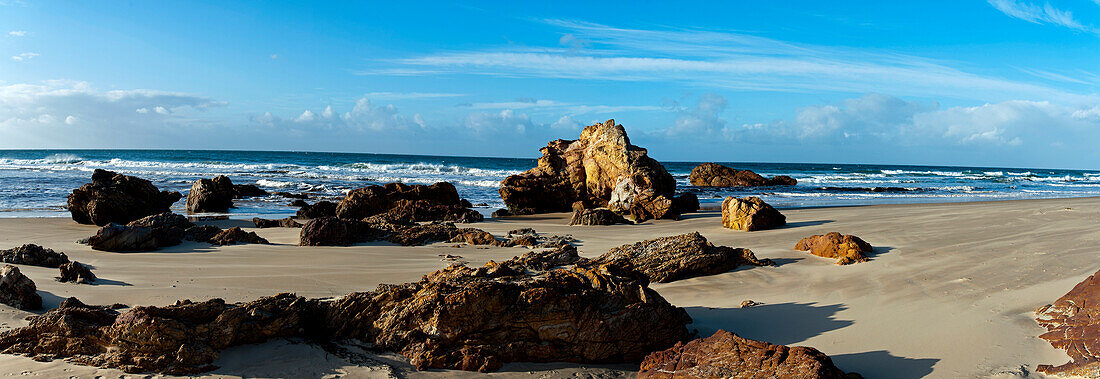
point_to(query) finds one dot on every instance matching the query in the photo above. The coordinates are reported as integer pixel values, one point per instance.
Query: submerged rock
(76, 272)
(117, 198)
(727, 355)
(667, 259)
(33, 255)
(18, 290)
(846, 248)
(1073, 323)
(749, 214)
(211, 195)
(716, 175)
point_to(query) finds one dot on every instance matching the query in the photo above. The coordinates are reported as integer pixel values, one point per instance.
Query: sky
(1004, 83)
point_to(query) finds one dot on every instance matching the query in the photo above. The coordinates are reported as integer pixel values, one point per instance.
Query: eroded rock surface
(684, 256)
(211, 195)
(716, 175)
(598, 216)
(18, 290)
(332, 231)
(323, 208)
(112, 197)
(847, 249)
(280, 223)
(146, 234)
(76, 272)
(749, 214)
(417, 199)
(236, 235)
(727, 355)
(1073, 324)
(33, 255)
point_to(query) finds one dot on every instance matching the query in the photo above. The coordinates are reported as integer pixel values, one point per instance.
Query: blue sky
(997, 83)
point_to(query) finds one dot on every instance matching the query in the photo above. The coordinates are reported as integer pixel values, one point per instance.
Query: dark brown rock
(599, 216)
(750, 214)
(300, 196)
(331, 231)
(211, 195)
(716, 175)
(650, 206)
(248, 190)
(474, 236)
(684, 256)
(201, 233)
(416, 235)
(235, 235)
(727, 355)
(846, 248)
(17, 290)
(686, 202)
(76, 272)
(117, 198)
(548, 259)
(781, 180)
(410, 211)
(369, 201)
(280, 223)
(33, 255)
(323, 208)
(1073, 324)
(145, 234)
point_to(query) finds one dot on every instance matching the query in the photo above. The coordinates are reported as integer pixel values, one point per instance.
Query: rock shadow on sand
(801, 224)
(784, 324)
(882, 364)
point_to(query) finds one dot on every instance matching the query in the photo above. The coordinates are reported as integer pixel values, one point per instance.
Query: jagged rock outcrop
(280, 223)
(332, 231)
(18, 290)
(146, 234)
(235, 235)
(1073, 324)
(33, 255)
(410, 211)
(716, 175)
(684, 256)
(247, 190)
(76, 272)
(589, 169)
(598, 216)
(211, 195)
(650, 206)
(727, 355)
(749, 214)
(323, 208)
(846, 248)
(459, 317)
(436, 202)
(112, 197)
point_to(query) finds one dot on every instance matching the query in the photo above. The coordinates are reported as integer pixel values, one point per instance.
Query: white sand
(948, 293)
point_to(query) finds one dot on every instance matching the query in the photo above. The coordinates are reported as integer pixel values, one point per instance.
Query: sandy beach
(949, 291)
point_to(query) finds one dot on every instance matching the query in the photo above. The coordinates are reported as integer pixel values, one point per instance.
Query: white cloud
(409, 95)
(1039, 14)
(700, 121)
(24, 57)
(274, 56)
(560, 107)
(18, 33)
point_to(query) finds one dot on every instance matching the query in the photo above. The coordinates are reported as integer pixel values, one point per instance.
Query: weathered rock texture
(727, 355)
(211, 195)
(598, 216)
(437, 202)
(235, 235)
(589, 169)
(684, 256)
(33, 255)
(846, 248)
(248, 190)
(332, 231)
(456, 318)
(76, 272)
(749, 214)
(323, 208)
(1073, 324)
(146, 234)
(17, 290)
(716, 175)
(280, 223)
(117, 198)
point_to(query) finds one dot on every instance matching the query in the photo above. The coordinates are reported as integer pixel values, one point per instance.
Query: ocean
(34, 183)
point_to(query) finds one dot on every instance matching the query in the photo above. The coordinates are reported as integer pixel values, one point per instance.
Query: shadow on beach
(784, 324)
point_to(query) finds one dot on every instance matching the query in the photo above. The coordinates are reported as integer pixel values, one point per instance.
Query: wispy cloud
(17, 33)
(559, 107)
(24, 57)
(409, 95)
(1041, 14)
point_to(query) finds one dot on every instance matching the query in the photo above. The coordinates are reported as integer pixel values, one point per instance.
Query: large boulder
(716, 175)
(112, 197)
(332, 231)
(846, 248)
(323, 208)
(248, 190)
(649, 205)
(369, 201)
(684, 256)
(589, 170)
(280, 223)
(749, 214)
(211, 195)
(75, 272)
(598, 216)
(33, 255)
(146, 234)
(1073, 323)
(236, 235)
(727, 355)
(425, 210)
(18, 290)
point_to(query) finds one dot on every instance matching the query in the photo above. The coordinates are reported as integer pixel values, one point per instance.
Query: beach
(949, 292)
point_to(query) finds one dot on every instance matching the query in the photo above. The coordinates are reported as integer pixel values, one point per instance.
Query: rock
(76, 272)
(410, 211)
(650, 206)
(548, 259)
(281, 223)
(146, 234)
(749, 214)
(235, 235)
(474, 237)
(247, 190)
(727, 355)
(847, 249)
(33, 255)
(211, 195)
(117, 198)
(716, 175)
(300, 196)
(522, 232)
(588, 169)
(201, 233)
(365, 202)
(416, 235)
(749, 304)
(667, 259)
(298, 203)
(1073, 324)
(331, 231)
(323, 208)
(599, 216)
(686, 202)
(164, 220)
(17, 290)
(512, 212)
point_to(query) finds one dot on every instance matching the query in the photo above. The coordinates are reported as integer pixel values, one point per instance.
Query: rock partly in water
(211, 195)
(846, 248)
(667, 259)
(18, 290)
(117, 198)
(75, 272)
(598, 216)
(727, 355)
(749, 214)
(716, 175)
(33, 255)
(1073, 323)
(247, 190)
(588, 169)
(236, 235)
(280, 223)
(323, 208)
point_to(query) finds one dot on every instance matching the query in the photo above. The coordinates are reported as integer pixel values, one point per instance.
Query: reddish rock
(1073, 324)
(727, 355)
(716, 175)
(211, 195)
(599, 216)
(76, 272)
(33, 255)
(684, 256)
(474, 237)
(847, 249)
(18, 290)
(235, 235)
(650, 206)
(117, 198)
(749, 214)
